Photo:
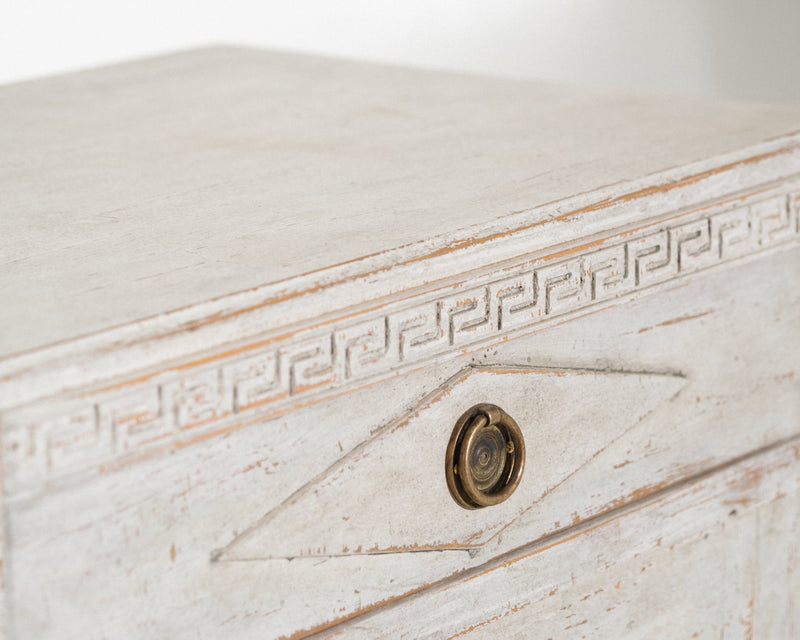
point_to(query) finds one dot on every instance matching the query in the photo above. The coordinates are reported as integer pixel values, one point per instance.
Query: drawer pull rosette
(485, 457)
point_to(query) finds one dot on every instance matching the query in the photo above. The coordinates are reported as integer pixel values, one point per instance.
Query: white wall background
(746, 49)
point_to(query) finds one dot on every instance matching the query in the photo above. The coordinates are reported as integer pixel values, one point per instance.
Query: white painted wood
(345, 510)
(684, 563)
(367, 252)
(182, 179)
(188, 177)
(122, 526)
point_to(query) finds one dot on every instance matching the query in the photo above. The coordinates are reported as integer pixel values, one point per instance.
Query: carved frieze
(71, 435)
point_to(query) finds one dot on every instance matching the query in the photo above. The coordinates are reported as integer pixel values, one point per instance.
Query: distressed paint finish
(248, 441)
(681, 563)
(345, 510)
(179, 173)
(192, 402)
(740, 396)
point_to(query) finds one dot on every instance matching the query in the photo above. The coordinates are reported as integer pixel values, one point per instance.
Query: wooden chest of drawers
(247, 299)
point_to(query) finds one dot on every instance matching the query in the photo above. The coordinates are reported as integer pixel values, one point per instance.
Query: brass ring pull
(485, 457)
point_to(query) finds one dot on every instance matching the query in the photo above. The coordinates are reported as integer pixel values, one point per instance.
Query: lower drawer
(718, 557)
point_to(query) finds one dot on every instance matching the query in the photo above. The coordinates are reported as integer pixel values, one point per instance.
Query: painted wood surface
(297, 182)
(154, 530)
(228, 379)
(186, 401)
(717, 558)
(349, 509)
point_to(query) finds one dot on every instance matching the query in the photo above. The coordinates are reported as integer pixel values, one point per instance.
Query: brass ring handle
(485, 457)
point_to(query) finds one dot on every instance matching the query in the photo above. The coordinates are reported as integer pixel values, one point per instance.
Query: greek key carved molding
(184, 405)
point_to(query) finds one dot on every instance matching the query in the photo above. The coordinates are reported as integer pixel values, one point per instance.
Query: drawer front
(294, 523)
(388, 494)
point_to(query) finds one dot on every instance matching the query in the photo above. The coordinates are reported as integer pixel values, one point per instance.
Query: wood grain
(176, 240)
(345, 510)
(187, 177)
(117, 540)
(209, 396)
(701, 561)
(245, 295)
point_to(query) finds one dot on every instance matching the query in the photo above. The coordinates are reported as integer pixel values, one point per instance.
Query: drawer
(324, 514)
(701, 554)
